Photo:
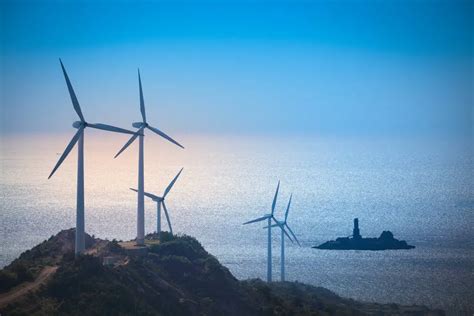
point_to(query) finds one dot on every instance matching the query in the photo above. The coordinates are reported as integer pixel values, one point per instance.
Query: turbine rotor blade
(287, 235)
(167, 216)
(282, 228)
(288, 208)
(172, 183)
(157, 131)
(110, 128)
(75, 102)
(275, 220)
(275, 197)
(67, 150)
(293, 234)
(274, 225)
(258, 219)
(142, 101)
(129, 142)
(151, 196)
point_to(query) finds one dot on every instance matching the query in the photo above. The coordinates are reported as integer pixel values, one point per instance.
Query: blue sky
(272, 67)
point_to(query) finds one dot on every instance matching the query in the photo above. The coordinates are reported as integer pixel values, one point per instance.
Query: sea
(421, 189)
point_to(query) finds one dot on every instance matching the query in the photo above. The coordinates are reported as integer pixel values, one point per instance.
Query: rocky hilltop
(173, 277)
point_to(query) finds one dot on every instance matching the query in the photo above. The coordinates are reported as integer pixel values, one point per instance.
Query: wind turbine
(269, 218)
(282, 225)
(141, 178)
(79, 138)
(161, 202)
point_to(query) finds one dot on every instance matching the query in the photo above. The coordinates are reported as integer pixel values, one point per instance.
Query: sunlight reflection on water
(421, 191)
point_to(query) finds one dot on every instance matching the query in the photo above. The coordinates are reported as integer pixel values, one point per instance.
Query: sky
(401, 68)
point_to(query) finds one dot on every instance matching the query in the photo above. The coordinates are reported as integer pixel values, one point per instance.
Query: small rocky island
(384, 242)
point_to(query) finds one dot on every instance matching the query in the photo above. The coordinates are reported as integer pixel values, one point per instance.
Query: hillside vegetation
(174, 277)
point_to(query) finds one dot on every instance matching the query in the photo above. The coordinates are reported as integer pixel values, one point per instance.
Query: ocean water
(422, 190)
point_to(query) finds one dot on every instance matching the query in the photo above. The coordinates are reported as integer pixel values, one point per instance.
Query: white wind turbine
(79, 137)
(141, 178)
(282, 225)
(269, 218)
(161, 202)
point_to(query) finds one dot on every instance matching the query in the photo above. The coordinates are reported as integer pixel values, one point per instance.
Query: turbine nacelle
(139, 124)
(78, 124)
(158, 199)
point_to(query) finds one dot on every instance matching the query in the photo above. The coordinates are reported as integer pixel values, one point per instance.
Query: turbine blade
(275, 220)
(257, 220)
(274, 225)
(172, 183)
(293, 234)
(142, 101)
(287, 235)
(157, 131)
(75, 102)
(167, 216)
(288, 208)
(129, 142)
(110, 128)
(67, 150)
(151, 196)
(282, 228)
(275, 197)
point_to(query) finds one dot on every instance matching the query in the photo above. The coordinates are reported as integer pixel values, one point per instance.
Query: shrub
(7, 280)
(176, 265)
(166, 237)
(22, 271)
(182, 246)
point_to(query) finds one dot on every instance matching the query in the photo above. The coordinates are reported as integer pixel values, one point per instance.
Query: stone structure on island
(356, 242)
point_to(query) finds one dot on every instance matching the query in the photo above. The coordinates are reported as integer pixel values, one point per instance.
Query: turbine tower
(141, 178)
(269, 218)
(79, 138)
(282, 225)
(161, 202)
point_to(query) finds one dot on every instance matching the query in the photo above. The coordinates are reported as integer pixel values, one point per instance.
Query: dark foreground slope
(176, 277)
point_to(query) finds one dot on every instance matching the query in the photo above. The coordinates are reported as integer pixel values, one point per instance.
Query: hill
(176, 276)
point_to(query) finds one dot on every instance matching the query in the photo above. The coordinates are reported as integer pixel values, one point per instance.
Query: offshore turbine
(269, 218)
(79, 138)
(141, 178)
(282, 225)
(160, 201)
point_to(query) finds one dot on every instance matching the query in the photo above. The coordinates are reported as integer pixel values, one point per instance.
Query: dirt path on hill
(26, 287)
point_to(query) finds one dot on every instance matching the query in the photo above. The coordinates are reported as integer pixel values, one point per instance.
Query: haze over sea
(419, 189)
